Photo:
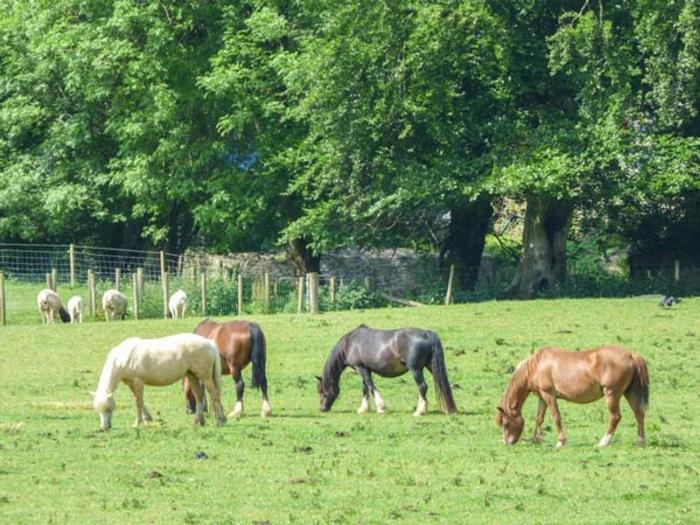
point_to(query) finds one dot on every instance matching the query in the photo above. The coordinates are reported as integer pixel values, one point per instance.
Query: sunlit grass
(301, 466)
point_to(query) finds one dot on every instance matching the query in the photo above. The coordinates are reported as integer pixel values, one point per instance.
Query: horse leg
(266, 408)
(215, 395)
(639, 415)
(551, 401)
(613, 399)
(541, 409)
(378, 401)
(422, 407)
(190, 402)
(240, 388)
(364, 373)
(197, 391)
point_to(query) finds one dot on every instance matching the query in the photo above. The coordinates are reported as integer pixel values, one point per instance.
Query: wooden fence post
(71, 258)
(676, 270)
(300, 295)
(164, 283)
(54, 279)
(266, 291)
(117, 278)
(92, 293)
(332, 289)
(203, 287)
(163, 269)
(135, 294)
(368, 283)
(3, 314)
(139, 280)
(240, 294)
(313, 293)
(450, 285)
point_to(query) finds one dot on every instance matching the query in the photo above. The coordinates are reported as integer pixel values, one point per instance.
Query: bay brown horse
(239, 343)
(580, 377)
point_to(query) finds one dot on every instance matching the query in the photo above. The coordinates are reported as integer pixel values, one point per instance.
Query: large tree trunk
(464, 244)
(303, 260)
(543, 261)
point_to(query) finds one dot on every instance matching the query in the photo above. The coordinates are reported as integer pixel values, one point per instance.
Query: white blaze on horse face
(379, 402)
(364, 406)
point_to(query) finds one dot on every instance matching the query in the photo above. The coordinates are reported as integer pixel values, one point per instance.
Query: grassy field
(301, 466)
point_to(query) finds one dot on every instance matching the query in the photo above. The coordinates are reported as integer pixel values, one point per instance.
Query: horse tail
(442, 384)
(65, 316)
(639, 387)
(258, 356)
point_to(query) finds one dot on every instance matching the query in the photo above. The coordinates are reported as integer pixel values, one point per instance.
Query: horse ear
(500, 409)
(319, 379)
(110, 395)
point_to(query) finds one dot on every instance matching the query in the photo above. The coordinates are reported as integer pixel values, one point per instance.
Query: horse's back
(164, 360)
(581, 376)
(229, 337)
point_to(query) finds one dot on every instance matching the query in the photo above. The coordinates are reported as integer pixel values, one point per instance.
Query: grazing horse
(160, 362)
(389, 353)
(177, 305)
(239, 343)
(49, 304)
(580, 377)
(75, 309)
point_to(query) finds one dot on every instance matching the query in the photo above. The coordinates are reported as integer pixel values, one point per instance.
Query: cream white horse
(75, 309)
(160, 362)
(178, 304)
(114, 305)
(49, 304)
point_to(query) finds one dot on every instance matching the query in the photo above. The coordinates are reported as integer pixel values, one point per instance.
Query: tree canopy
(259, 124)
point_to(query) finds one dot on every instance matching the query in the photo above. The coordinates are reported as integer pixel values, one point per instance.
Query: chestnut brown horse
(580, 377)
(239, 343)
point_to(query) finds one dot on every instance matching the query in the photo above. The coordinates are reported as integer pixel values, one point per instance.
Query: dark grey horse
(389, 353)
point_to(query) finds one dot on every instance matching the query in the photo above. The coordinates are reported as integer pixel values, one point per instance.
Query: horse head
(511, 423)
(104, 404)
(327, 394)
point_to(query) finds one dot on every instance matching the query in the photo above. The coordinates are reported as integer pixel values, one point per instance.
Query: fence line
(149, 278)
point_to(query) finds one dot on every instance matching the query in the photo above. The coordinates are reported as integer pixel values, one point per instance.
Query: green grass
(301, 466)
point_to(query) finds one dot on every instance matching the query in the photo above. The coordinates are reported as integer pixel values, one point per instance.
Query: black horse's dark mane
(335, 364)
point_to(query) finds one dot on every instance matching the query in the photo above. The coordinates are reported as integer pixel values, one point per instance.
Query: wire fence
(216, 287)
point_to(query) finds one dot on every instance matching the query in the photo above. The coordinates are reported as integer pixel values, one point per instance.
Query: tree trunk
(464, 244)
(543, 261)
(303, 260)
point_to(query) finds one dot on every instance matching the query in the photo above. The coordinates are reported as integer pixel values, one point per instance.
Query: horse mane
(513, 395)
(335, 364)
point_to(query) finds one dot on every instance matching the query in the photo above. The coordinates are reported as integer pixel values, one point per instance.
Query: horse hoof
(560, 444)
(380, 410)
(266, 410)
(417, 413)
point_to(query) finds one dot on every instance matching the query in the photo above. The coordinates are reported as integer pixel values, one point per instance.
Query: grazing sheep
(49, 304)
(75, 309)
(178, 304)
(114, 305)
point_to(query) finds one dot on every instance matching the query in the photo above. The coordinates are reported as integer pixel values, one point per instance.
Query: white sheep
(75, 309)
(114, 305)
(178, 304)
(49, 304)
